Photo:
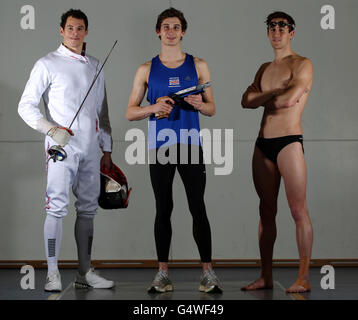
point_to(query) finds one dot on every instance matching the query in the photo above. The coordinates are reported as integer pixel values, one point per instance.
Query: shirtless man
(282, 87)
(170, 71)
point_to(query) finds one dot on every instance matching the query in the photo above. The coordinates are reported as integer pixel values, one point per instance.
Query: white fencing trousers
(78, 171)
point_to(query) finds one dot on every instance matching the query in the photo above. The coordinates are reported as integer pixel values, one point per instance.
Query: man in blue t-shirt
(174, 130)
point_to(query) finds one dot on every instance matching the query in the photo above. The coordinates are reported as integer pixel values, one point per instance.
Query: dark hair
(170, 13)
(280, 14)
(75, 13)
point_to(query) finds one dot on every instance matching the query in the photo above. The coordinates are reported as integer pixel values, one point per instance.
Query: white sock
(52, 237)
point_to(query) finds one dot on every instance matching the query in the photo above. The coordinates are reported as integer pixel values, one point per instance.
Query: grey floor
(131, 285)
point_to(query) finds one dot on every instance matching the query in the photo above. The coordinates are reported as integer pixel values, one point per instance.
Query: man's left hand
(106, 161)
(196, 100)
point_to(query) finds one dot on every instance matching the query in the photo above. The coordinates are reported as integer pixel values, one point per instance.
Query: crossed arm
(288, 97)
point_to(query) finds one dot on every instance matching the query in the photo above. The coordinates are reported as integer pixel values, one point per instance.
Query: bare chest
(173, 64)
(276, 77)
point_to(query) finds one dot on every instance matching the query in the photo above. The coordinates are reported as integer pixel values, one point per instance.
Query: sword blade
(92, 84)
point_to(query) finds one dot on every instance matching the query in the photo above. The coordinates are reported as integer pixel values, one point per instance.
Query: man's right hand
(163, 107)
(61, 135)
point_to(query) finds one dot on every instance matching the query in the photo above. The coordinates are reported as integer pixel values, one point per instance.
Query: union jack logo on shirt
(174, 82)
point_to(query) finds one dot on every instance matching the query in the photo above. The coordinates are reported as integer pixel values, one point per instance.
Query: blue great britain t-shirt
(184, 124)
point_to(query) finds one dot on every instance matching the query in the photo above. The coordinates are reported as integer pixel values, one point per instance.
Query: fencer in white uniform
(62, 79)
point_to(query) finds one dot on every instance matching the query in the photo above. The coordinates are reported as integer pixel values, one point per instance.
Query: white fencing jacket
(62, 79)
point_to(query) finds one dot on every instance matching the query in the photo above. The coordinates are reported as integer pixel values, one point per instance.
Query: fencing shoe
(53, 282)
(92, 280)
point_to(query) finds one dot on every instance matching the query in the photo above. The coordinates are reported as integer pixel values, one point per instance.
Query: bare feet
(259, 284)
(301, 285)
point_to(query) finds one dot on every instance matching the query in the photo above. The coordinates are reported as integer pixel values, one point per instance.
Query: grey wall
(230, 36)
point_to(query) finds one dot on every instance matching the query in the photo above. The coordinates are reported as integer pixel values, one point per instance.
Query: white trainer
(92, 280)
(53, 282)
